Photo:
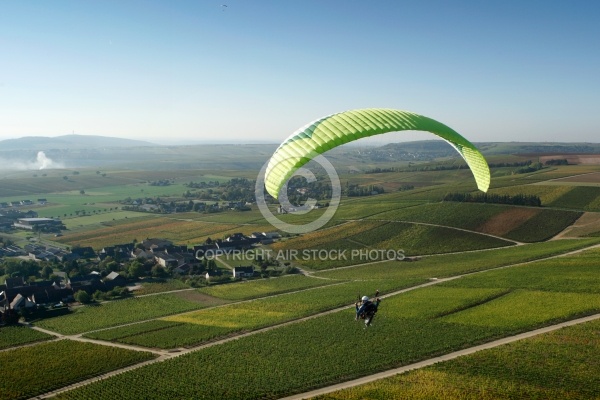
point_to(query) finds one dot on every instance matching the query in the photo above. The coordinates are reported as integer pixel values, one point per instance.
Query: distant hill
(537, 148)
(69, 142)
(430, 150)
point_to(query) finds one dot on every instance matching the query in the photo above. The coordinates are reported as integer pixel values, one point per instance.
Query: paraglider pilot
(366, 306)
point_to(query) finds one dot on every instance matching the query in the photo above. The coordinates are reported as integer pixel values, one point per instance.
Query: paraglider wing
(337, 129)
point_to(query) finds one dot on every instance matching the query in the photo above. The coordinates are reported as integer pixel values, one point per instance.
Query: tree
(47, 271)
(136, 269)
(83, 297)
(82, 192)
(158, 271)
(22, 268)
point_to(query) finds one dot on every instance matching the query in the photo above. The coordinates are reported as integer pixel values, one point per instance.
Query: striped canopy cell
(337, 129)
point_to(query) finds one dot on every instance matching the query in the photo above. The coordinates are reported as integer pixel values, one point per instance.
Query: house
(114, 279)
(213, 273)
(118, 252)
(51, 295)
(39, 223)
(21, 301)
(143, 254)
(42, 201)
(165, 260)
(84, 252)
(201, 250)
(88, 283)
(42, 256)
(156, 244)
(230, 244)
(243, 272)
(183, 269)
(272, 235)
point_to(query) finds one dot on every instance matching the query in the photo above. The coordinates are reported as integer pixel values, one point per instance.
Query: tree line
(494, 198)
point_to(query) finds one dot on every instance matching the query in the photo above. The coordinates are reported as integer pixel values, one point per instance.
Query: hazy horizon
(191, 71)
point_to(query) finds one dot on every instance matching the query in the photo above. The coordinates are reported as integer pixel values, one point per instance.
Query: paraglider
(334, 130)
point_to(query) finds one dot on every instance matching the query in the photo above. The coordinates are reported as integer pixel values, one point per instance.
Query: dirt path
(431, 361)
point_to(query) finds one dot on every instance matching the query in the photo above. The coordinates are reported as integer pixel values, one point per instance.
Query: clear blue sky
(258, 70)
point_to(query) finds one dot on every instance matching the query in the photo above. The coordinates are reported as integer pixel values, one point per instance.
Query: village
(44, 277)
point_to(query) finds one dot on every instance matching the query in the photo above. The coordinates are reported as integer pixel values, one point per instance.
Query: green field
(441, 266)
(91, 317)
(353, 242)
(579, 198)
(407, 329)
(11, 336)
(516, 223)
(194, 328)
(58, 364)
(159, 287)
(556, 365)
(264, 287)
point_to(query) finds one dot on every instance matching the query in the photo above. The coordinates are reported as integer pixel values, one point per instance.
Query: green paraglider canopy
(337, 129)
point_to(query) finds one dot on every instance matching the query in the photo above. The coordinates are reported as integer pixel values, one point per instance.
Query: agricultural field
(357, 209)
(159, 287)
(546, 193)
(228, 217)
(104, 315)
(130, 330)
(179, 231)
(97, 220)
(442, 266)
(587, 225)
(543, 225)
(58, 364)
(527, 224)
(263, 287)
(322, 237)
(580, 197)
(405, 330)
(555, 365)
(11, 336)
(194, 328)
(353, 243)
